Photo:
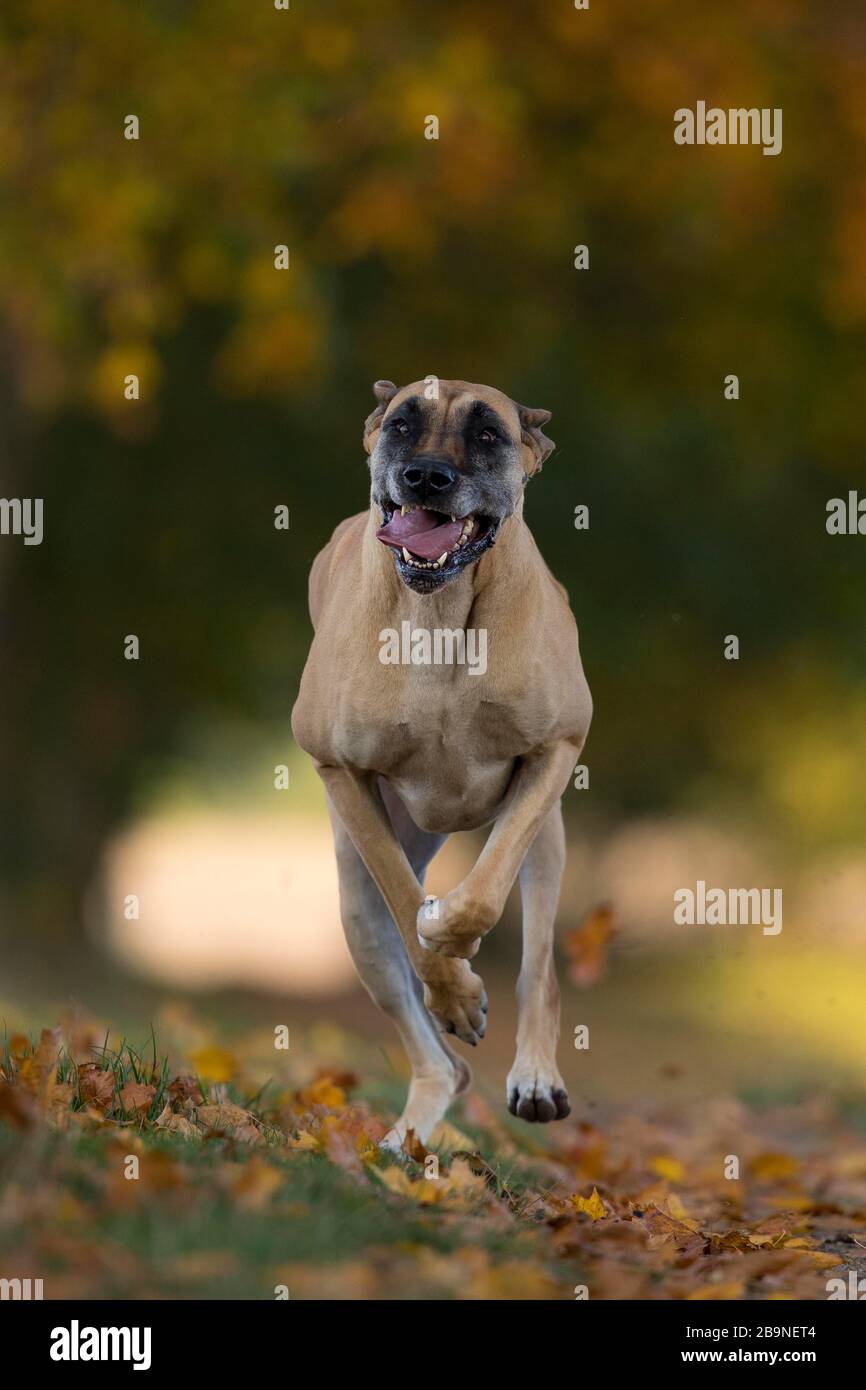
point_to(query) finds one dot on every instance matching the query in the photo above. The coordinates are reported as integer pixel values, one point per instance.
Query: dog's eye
(488, 437)
(400, 426)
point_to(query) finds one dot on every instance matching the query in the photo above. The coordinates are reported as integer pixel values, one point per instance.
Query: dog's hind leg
(535, 1089)
(382, 963)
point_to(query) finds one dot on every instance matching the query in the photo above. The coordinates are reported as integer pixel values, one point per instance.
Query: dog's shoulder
(347, 533)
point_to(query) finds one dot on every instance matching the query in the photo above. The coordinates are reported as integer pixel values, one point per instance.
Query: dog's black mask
(449, 461)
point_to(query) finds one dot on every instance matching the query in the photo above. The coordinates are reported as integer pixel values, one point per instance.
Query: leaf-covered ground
(128, 1173)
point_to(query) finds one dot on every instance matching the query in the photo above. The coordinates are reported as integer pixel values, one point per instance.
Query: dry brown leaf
(95, 1085)
(57, 1102)
(482, 1169)
(19, 1046)
(685, 1236)
(230, 1119)
(136, 1098)
(448, 1136)
(18, 1107)
(184, 1088)
(324, 1092)
(38, 1070)
(176, 1124)
(413, 1148)
(735, 1242)
(344, 1080)
(587, 945)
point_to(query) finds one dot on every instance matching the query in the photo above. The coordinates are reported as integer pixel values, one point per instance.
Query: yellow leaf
(820, 1259)
(323, 1092)
(668, 1167)
(788, 1201)
(214, 1064)
(592, 1205)
(676, 1208)
(715, 1291)
(447, 1136)
(768, 1166)
(305, 1141)
(418, 1189)
(366, 1150)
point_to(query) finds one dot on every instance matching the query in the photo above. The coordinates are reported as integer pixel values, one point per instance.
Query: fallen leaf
(587, 945)
(667, 1167)
(95, 1085)
(214, 1064)
(18, 1107)
(39, 1070)
(184, 1088)
(482, 1169)
(592, 1205)
(231, 1119)
(413, 1148)
(768, 1167)
(136, 1098)
(661, 1229)
(176, 1124)
(716, 1291)
(448, 1136)
(305, 1141)
(323, 1092)
(345, 1080)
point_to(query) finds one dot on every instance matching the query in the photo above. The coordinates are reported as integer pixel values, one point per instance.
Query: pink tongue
(422, 533)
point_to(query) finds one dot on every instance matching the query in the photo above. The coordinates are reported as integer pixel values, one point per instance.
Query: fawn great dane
(411, 750)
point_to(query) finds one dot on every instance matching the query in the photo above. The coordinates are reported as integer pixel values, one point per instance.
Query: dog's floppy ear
(384, 391)
(536, 445)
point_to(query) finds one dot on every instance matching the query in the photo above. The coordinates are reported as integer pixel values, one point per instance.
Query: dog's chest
(447, 746)
(430, 717)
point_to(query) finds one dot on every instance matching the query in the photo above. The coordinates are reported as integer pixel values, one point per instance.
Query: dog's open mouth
(433, 545)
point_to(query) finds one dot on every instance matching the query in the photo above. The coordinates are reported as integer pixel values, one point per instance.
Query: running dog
(410, 751)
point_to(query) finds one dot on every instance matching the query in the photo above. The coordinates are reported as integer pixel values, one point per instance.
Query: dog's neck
(451, 606)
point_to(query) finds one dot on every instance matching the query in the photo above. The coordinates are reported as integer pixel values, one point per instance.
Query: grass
(128, 1171)
(217, 1217)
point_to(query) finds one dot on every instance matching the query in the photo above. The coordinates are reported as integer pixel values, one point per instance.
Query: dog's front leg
(455, 924)
(453, 993)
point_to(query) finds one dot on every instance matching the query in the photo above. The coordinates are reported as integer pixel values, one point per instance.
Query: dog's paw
(537, 1096)
(449, 926)
(457, 1000)
(392, 1142)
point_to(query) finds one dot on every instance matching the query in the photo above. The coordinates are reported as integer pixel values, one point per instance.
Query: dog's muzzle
(432, 547)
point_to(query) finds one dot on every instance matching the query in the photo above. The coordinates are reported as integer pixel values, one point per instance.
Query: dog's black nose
(426, 475)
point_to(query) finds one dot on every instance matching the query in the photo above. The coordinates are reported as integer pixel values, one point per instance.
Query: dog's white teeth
(406, 556)
(404, 509)
(442, 558)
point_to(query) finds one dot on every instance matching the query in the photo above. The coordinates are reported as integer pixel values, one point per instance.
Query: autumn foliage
(631, 1206)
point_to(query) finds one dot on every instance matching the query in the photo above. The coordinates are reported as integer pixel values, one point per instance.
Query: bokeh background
(454, 257)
